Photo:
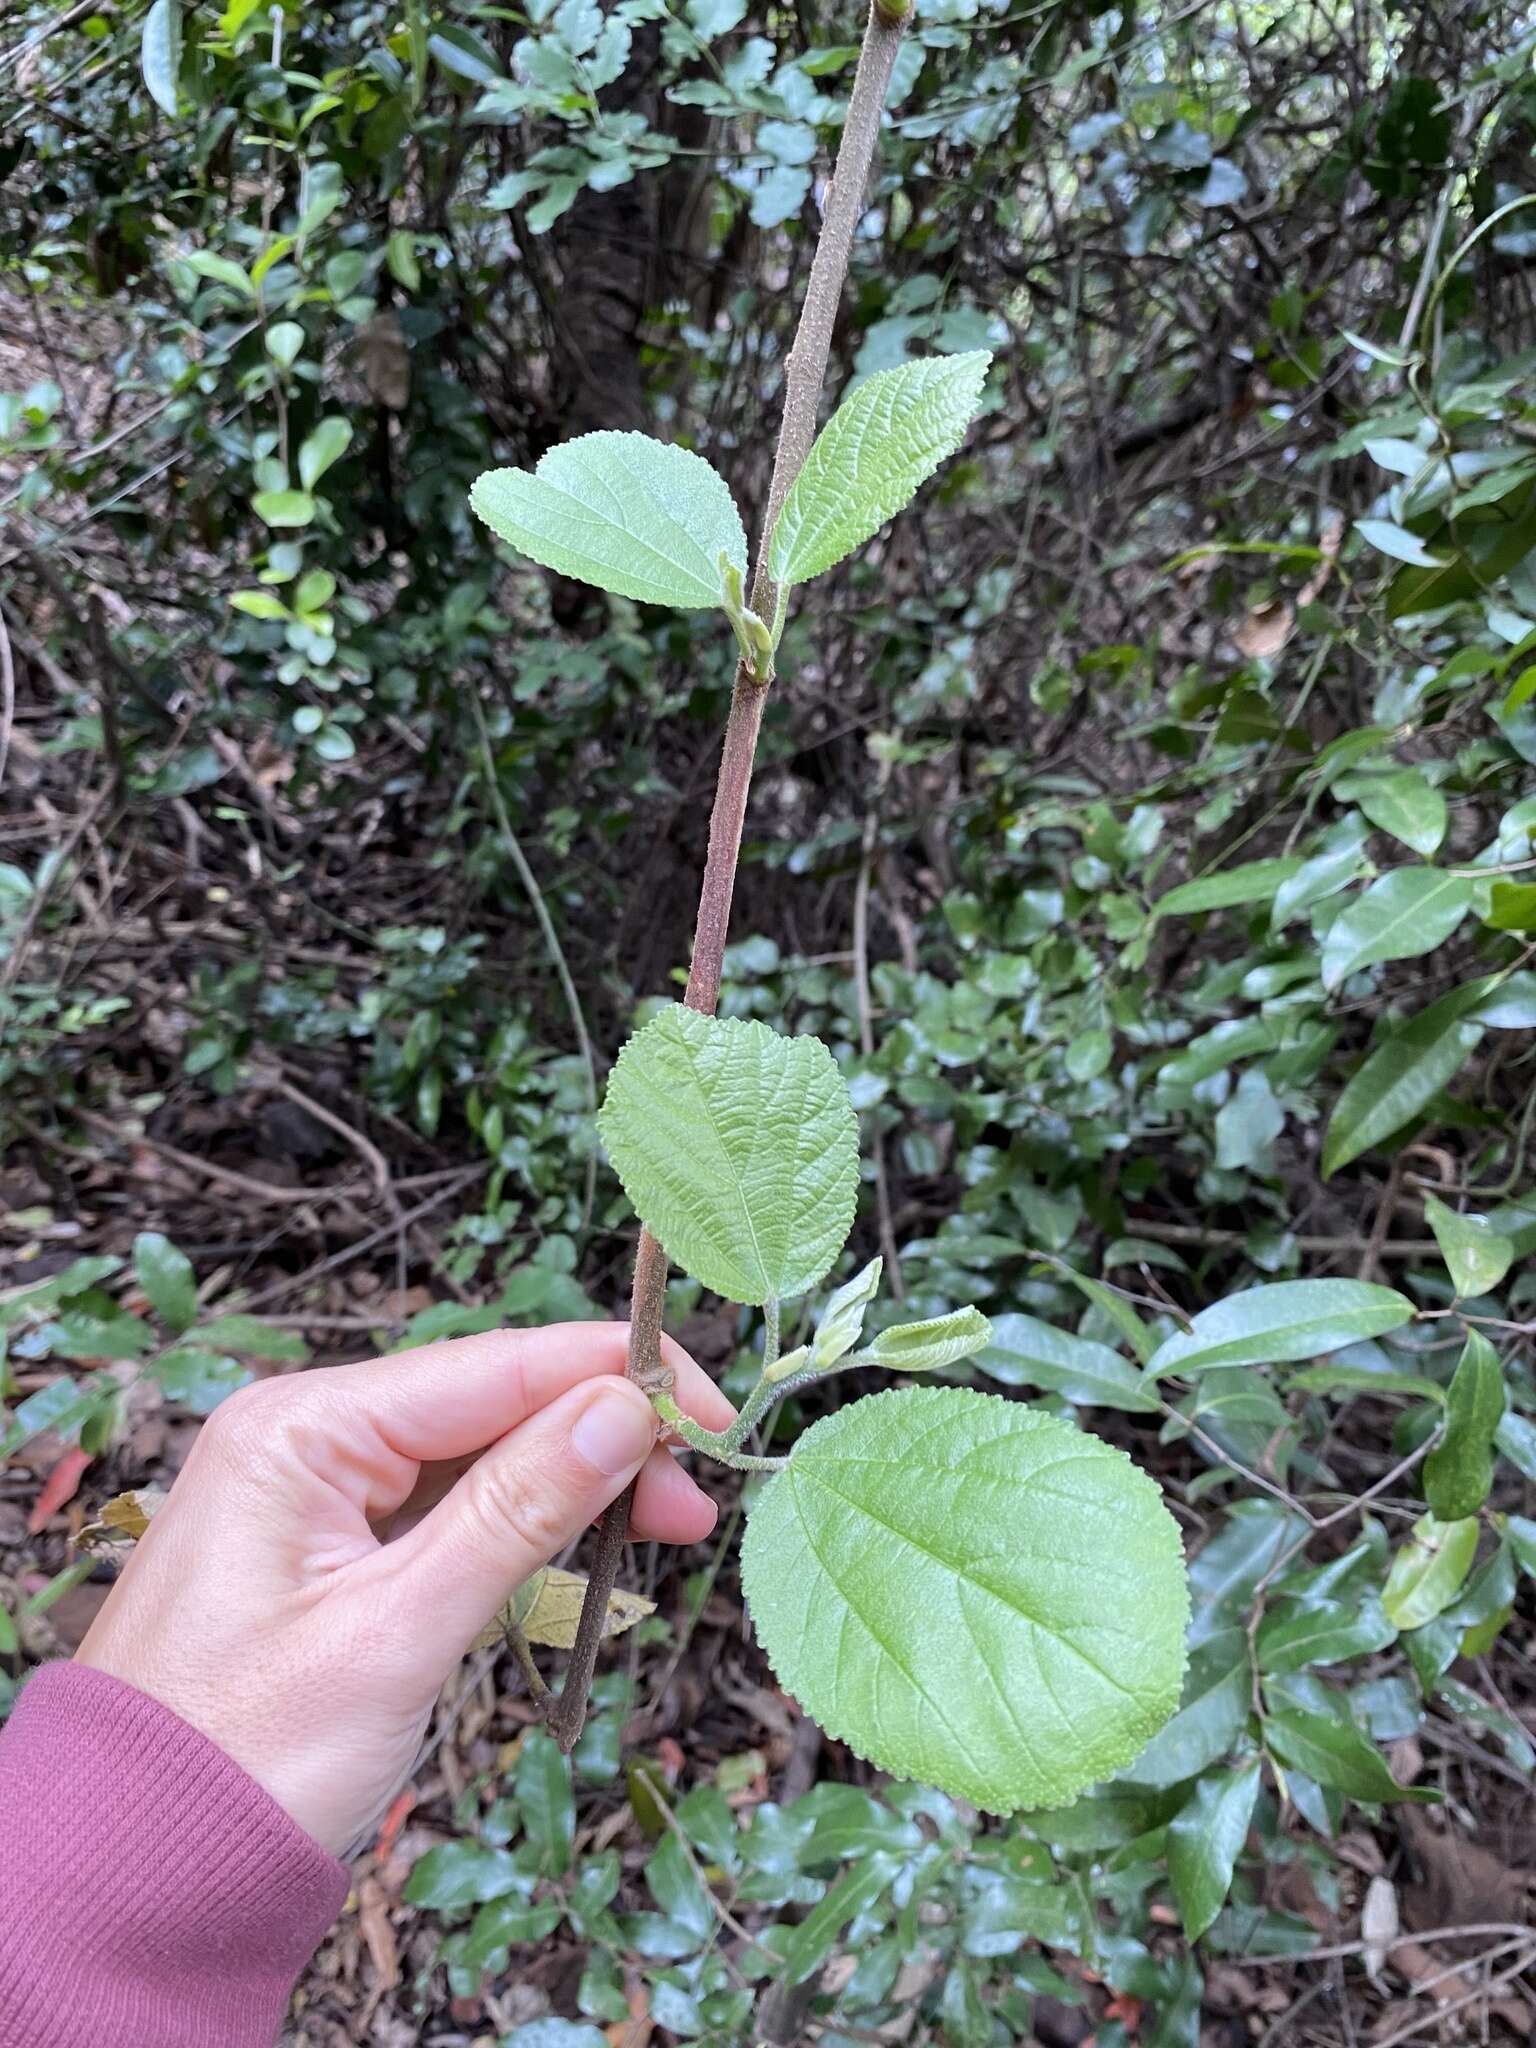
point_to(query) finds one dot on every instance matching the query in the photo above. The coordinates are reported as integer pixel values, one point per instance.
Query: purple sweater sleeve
(152, 1895)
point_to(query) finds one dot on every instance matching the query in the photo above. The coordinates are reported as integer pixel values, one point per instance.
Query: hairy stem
(805, 372)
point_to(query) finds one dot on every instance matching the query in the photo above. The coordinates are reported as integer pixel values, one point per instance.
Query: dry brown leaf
(1379, 1924)
(548, 1608)
(373, 1918)
(122, 1521)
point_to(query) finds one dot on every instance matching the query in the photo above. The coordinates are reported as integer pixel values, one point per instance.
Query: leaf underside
(738, 1148)
(870, 458)
(639, 517)
(971, 1594)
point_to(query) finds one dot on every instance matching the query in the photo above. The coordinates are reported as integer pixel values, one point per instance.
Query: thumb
(521, 1502)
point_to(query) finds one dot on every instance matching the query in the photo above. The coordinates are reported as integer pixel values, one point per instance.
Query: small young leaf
(641, 518)
(165, 1274)
(925, 1346)
(870, 458)
(738, 1148)
(326, 445)
(1459, 1471)
(1205, 1841)
(284, 508)
(971, 1594)
(843, 1317)
(1476, 1254)
(1402, 914)
(1427, 1573)
(222, 270)
(1292, 1319)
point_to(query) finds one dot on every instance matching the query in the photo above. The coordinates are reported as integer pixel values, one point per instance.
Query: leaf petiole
(714, 1443)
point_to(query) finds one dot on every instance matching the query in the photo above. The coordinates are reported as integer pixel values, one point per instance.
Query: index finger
(451, 1399)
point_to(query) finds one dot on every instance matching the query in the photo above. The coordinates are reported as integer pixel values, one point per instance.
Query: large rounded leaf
(639, 517)
(739, 1149)
(971, 1594)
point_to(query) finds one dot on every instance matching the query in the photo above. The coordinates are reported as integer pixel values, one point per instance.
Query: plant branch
(805, 372)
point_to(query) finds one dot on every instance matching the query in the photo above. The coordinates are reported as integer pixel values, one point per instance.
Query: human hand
(262, 1605)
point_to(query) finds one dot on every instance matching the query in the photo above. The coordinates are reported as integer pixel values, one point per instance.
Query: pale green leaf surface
(1254, 881)
(1291, 1319)
(1407, 805)
(636, 516)
(935, 1342)
(1402, 914)
(843, 1317)
(971, 1594)
(160, 53)
(738, 1148)
(870, 458)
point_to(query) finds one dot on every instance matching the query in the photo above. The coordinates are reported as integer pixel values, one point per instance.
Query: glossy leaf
(166, 1276)
(1402, 914)
(1429, 1570)
(1407, 805)
(738, 1148)
(322, 448)
(1025, 1352)
(936, 1342)
(1335, 1753)
(1213, 1711)
(1458, 1472)
(1292, 1319)
(1295, 1635)
(1403, 1075)
(1205, 1841)
(971, 1594)
(543, 1782)
(870, 458)
(642, 518)
(1255, 881)
(160, 53)
(1477, 1255)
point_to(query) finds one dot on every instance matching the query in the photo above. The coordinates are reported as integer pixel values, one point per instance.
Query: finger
(448, 1400)
(528, 1497)
(670, 1507)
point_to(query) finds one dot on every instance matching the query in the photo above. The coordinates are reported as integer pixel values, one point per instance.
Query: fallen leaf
(60, 1486)
(548, 1608)
(1379, 1925)
(373, 1918)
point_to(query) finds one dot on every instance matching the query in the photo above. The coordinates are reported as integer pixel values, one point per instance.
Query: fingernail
(615, 1431)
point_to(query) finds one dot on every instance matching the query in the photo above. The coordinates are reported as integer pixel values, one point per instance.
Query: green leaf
(544, 1799)
(738, 1148)
(1513, 908)
(677, 1891)
(806, 1946)
(1335, 1753)
(1214, 1710)
(160, 53)
(1403, 1075)
(1476, 1254)
(870, 458)
(639, 517)
(252, 1338)
(400, 255)
(325, 446)
(1428, 1571)
(1297, 1634)
(842, 1319)
(1459, 1470)
(221, 270)
(936, 1342)
(459, 1874)
(1402, 914)
(1255, 881)
(260, 604)
(78, 1334)
(284, 508)
(198, 1379)
(1398, 542)
(165, 1274)
(1024, 1352)
(1292, 1319)
(1205, 1841)
(284, 340)
(971, 1594)
(1406, 805)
